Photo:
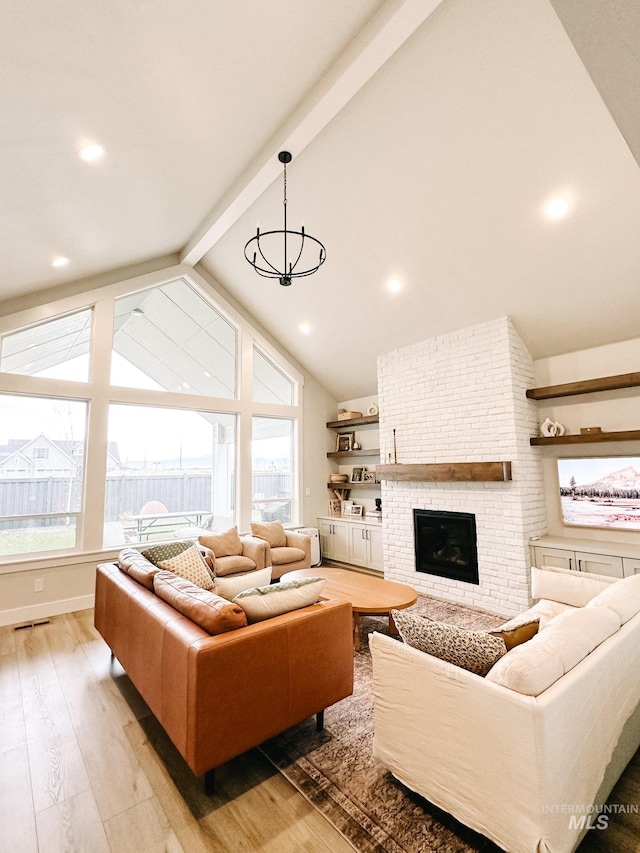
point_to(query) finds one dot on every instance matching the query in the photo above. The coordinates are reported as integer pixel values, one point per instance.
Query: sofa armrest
(299, 540)
(256, 549)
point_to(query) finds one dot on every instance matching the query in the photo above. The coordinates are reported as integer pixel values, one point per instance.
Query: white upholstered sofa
(524, 754)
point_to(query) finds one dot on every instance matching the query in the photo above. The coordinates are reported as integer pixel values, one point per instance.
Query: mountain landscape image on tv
(600, 492)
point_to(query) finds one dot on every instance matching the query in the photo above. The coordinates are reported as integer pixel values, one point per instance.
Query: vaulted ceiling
(427, 137)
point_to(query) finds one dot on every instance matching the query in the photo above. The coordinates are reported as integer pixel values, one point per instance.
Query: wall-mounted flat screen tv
(600, 492)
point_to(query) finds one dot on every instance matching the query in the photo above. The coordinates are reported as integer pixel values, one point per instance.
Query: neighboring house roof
(70, 449)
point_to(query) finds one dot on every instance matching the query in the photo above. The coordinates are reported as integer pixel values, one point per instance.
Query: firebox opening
(445, 544)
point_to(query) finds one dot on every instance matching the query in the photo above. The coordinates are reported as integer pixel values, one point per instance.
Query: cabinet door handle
(570, 563)
(579, 565)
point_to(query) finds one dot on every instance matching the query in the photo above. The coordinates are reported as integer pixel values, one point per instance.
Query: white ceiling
(426, 138)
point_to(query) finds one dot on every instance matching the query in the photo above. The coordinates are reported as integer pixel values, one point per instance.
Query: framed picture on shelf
(344, 441)
(356, 509)
(346, 507)
(368, 476)
(356, 475)
(335, 506)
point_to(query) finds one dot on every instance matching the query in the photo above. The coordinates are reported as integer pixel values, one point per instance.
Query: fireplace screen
(445, 544)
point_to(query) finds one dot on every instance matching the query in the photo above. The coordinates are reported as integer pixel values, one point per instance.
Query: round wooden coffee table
(367, 594)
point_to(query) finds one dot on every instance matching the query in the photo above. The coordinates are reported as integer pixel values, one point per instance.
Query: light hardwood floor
(84, 766)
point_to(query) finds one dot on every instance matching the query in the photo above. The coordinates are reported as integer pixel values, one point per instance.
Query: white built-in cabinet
(365, 543)
(334, 539)
(352, 541)
(586, 555)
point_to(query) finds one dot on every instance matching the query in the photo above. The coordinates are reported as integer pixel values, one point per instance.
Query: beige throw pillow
(230, 587)
(272, 531)
(226, 544)
(263, 602)
(190, 566)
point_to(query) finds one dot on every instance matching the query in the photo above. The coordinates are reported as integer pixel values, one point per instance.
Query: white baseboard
(38, 612)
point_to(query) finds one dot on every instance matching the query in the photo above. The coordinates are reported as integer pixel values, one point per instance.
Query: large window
(42, 445)
(134, 419)
(174, 471)
(57, 349)
(272, 469)
(172, 338)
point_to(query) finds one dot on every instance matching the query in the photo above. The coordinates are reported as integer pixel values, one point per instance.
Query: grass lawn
(37, 539)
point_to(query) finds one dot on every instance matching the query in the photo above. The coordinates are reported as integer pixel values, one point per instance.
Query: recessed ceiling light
(305, 328)
(556, 208)
(59, 262)
(394, 285)
(91, 152)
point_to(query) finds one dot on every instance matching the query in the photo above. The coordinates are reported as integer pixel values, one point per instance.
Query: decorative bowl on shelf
(338, 478)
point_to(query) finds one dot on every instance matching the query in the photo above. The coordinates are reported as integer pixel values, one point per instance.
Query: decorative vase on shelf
(548, 428)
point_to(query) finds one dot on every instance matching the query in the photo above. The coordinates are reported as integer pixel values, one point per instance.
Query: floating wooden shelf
(587, 438)
(447, 472)
(341, 454)
(588, 386)
(363, 421)
(350, 485)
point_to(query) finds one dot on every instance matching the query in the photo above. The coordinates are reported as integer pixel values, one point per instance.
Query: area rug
(336, 772)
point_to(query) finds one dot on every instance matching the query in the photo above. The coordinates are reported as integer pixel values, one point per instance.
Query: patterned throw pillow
(157, 553)
(263, 602)
(190, 566)
(476, 651)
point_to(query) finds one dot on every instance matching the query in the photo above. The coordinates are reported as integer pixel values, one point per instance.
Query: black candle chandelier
(265, 244)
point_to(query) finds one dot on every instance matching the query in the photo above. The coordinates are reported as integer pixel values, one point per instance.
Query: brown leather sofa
(218, 696)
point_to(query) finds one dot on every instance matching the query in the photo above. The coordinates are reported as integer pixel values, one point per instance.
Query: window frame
(100, 394)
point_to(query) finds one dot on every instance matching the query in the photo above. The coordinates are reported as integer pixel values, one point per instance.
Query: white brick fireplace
(461, 398)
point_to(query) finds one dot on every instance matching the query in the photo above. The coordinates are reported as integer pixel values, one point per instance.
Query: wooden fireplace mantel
(447, 472)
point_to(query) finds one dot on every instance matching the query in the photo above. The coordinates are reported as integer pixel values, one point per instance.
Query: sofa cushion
(191, 566)
(211, 612)
(233, 565)
(272, 531)
(476, 651)
(138, 567)
(517, 634)
(567, 586)
(230, 587)
(226, 544)
(534, 666)
(282, 556)
(263, 602)
(622, 597)
(544, 611)
(156, 553)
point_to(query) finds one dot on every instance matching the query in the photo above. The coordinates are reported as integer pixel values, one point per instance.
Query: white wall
(461, 398)
(610, 410)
